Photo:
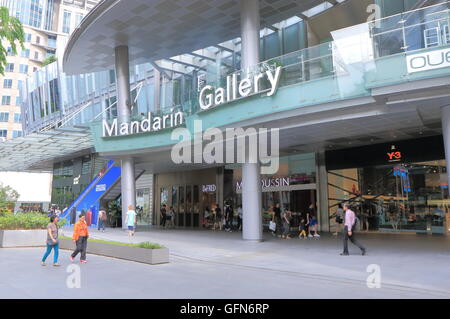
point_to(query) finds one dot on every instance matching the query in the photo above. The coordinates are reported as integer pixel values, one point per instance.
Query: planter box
(23, 238)
(142, 255)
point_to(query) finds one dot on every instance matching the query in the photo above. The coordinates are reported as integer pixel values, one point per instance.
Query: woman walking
(80, 236)
(52, 241)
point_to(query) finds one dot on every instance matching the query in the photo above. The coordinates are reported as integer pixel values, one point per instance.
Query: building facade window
(4, 116)
(18, 101)
(66, 22)
(27, 37)
(10, 67)
(36, 55)
(17, 117)
(3, 133)
(23, 68)
(6, 100)
(78, 18)
(9, 52)
(17, 134)
(7, 83)
(38, 39)
(35, 14)
(51, 42)
(25, 53)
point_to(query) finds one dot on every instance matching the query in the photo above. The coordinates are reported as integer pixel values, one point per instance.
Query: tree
(11, 30)
(8, 197)
(49, 60)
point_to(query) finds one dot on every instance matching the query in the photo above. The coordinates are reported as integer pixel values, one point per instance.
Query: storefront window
(403, 197)
(144, 215)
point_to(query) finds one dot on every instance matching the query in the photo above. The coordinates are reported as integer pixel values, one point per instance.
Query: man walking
(349, 226)
(101, 219)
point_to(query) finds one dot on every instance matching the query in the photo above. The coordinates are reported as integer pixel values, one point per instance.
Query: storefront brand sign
(100, 188)
(149, 124)
(269, 182)
(209, 188)
(428, 60)
(210, 96)
(394, 155)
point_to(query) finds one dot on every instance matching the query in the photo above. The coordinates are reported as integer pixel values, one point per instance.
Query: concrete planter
(142, 255)
(23, 238)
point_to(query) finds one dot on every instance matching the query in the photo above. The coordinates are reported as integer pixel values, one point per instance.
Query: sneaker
(71, 258)
(42, 263)
(316, 235)
(310, 236)
(56, 265)
(345, 254)
(83, 261)
(363, 252)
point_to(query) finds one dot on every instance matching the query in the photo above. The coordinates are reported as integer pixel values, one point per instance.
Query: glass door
(181, 208)
(196, 208)
(189, 207)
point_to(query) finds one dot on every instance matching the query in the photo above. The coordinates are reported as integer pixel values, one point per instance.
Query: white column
(251, 171)
(128, 182)
(446, 136)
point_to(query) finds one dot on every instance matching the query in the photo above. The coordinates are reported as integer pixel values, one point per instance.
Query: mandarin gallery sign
(149, 124)
(211, 96)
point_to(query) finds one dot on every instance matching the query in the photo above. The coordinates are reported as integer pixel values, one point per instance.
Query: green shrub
(26, 221)
(146, 245)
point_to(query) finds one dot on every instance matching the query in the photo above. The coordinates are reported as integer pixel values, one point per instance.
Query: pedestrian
(240, 218)
(286, 218)
(170, 217)
(229, 218)
(302, 228)
(80, 237)
(163, 215)
(102, 219)
(52, 241)
(131, 220)
(349, 227)
(278, 221)
(312, 222)
(339, 219)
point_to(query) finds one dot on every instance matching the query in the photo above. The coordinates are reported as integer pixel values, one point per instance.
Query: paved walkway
(206, 264)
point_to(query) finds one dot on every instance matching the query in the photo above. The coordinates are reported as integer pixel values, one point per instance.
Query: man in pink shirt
(349, 226)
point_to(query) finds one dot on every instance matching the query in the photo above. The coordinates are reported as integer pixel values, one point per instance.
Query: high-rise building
(47, 25)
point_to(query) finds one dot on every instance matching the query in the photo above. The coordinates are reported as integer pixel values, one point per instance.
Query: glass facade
(34, 13)
(408, 193)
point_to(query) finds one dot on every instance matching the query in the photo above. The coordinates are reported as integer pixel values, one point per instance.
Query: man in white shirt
(349, 226)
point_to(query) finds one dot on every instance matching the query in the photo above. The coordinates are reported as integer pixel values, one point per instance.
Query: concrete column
(251, 172)
(128, 182)
(446, 135)
(123, 84)
(322, 192)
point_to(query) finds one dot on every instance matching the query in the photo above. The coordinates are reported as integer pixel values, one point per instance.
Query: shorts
(313, 222)
(130, 227)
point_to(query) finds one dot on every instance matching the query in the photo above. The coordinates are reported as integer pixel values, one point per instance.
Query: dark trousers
(352, 239)
(163, 221)
(81, 247)
(279, 229)
(239, 222)
(101, 224)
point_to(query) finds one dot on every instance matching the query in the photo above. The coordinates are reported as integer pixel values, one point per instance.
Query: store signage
(100, 188)
(269, 182)
(149, 124)
(211, 96)
(209, 188)
(428, 61)
(394, 155)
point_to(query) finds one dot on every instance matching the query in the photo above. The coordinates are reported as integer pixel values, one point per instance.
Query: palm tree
(11, 30)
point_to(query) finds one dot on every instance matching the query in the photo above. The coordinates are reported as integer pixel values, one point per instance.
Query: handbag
(272, 225)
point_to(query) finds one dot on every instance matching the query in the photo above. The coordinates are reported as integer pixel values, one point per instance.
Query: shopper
(52, 241)
(286, 218)
(229, 218)
(80, 237)
(349, 227)
(339, 219)
(218, 215)
(302, 228)
(170, 217)
(102, 219)
(312, 222)
(131, 219)
(240, 217)
(163, 215)
(278, 221)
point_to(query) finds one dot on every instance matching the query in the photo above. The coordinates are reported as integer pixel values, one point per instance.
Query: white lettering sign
(269, 182)
(210, 96)
(428, 61)
(100, 188)
(149, 124)
(209, 188)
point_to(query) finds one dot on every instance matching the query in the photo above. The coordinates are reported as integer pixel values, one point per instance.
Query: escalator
(89, 199)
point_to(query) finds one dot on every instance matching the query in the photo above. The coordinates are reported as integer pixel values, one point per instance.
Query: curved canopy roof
(158, 29)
